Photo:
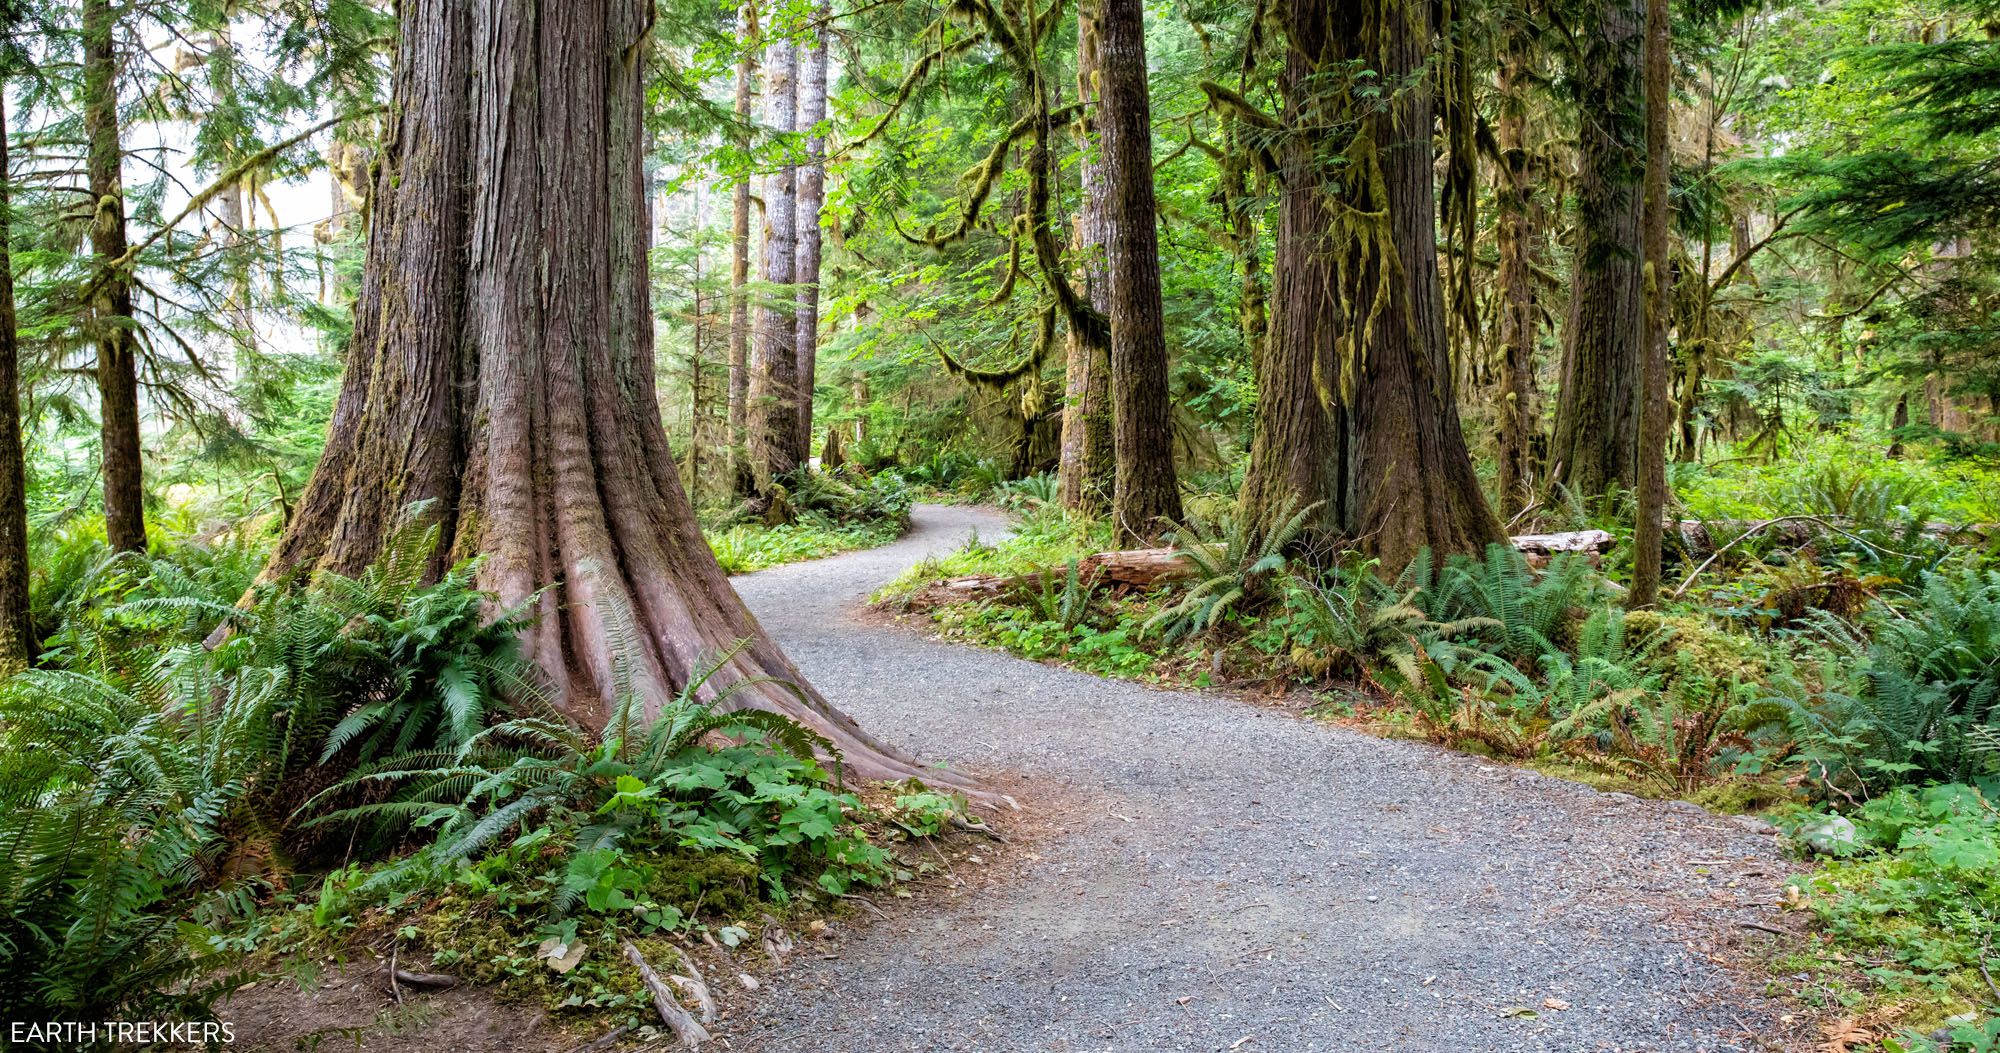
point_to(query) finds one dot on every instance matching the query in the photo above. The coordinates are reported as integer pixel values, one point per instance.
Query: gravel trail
(1225, 877)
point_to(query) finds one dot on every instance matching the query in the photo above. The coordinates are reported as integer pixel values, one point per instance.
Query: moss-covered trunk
(17, 643)
(1356, 410)
(1596, 442)
(1085, 468)
(1519, 216)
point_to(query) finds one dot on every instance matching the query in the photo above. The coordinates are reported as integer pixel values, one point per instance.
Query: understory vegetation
(196, 790)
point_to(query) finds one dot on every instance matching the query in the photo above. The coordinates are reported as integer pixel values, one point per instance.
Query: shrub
(1233, 561)
(1920, 893)
(1911, 695)
(696, 776)
(1532, 613)
(149, 769)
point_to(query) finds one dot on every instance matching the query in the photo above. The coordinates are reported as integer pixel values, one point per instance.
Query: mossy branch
(209, 193)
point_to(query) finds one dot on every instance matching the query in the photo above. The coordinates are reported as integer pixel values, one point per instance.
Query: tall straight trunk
(1386, 455)
(775, 449)
(697, 357)
(17, 634)
(1298, 451)
(1146, 498)
(1518, 218)
(230, 213)
(1596, 447)
(1654, 420)
(740, 476)
(812, 194)
(1412, 485)
(1086, 467)
(503, 367)
(115, 331)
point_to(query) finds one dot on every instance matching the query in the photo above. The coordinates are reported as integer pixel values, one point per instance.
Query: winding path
(1226, 877)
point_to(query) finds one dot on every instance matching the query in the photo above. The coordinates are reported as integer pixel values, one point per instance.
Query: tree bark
(1596, 447)
(1412, 485)
(503, 366)
(1654, 420)
(115, 330)
(774, 374)
(741, 479)
(812, 194)
(18, 646)
(1384, 451)
(1298, 450)
(1086, 468)
(1146, 499)
(1518, 219)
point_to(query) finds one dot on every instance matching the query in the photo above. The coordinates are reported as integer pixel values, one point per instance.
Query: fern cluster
(1234, 562)
(1910, 694)
(140, 769)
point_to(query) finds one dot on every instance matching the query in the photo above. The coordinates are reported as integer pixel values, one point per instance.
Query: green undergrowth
(1907, 907)
(747, 547)
(371, 763)
(811, 516)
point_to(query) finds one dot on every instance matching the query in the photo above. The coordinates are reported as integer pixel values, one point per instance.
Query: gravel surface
(1225, 877)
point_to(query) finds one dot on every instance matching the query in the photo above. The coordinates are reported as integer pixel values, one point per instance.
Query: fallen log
(1703, 537)
(1147, 568)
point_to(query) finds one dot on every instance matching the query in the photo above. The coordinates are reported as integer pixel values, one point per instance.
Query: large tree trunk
(1654, 422)
(741, 479)
(115, 331)
(502, 366)
(1518, 216)
(1412, 483)
(1370, 354)
(1086, 468)
(1298, 453)
(17, 637)
(1146, 498)
(775, 443)
(812, 194)
(1596, 446)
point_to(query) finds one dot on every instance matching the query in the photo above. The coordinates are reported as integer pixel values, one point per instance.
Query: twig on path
(608, 1040)
(395, 988)
(959, 822)
(878, 912)
(1762, 927)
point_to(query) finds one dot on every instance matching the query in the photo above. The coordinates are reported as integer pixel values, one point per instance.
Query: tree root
(678, 1020)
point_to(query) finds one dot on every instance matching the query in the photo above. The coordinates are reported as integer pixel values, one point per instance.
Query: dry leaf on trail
(1556, 1004)
(1845, 1036)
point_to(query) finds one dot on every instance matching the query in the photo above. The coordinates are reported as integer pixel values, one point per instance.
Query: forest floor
(1224, 876)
